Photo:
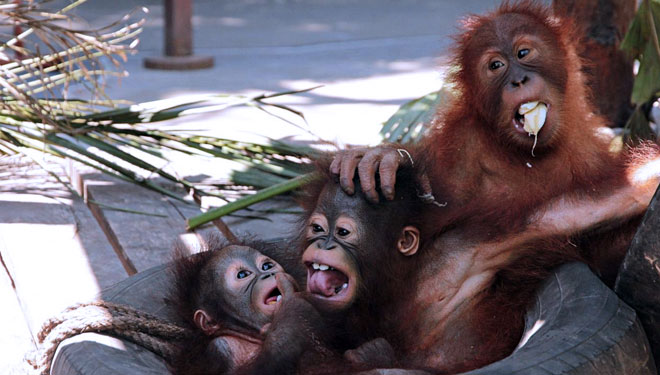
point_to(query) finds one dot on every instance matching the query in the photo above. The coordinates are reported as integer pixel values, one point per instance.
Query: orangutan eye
(266, 266)
(495, 65)
(522, 53)
(243, 274)
(317, 228)
(343, 232)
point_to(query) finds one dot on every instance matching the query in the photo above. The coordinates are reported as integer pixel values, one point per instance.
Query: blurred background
(371, 56)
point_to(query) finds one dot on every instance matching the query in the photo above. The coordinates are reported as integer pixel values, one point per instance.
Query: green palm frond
(412, 119)
(109, 135)
(642, 42)
(408, 124)
(112, 140)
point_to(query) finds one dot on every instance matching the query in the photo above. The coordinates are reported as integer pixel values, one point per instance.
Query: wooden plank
(265, 220)
(53, 248)
(145, 237)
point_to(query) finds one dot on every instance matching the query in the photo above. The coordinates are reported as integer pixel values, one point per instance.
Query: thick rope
(139, 327)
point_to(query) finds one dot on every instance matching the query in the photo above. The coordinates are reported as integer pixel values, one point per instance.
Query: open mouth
(530, 117)
(519, 122)
(326, 281)
(273, 297)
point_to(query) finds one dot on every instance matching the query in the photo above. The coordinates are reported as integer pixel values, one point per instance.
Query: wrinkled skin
(334, 236)
(229, 294)
(244, 283)
(368, 162)
(341, 234)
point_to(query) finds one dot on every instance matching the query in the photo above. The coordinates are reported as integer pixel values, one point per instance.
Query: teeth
(340, 288)
(322, 267)
(279, 298)
(272, 302)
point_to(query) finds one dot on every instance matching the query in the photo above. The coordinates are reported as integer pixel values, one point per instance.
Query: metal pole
(178, 40)
(178, 27)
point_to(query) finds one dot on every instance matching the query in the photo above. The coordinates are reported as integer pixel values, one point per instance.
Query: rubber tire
(97, 354)
(638, 282)
(587, 330)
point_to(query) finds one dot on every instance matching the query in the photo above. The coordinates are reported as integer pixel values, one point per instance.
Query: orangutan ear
(205, 322)
(408, 243)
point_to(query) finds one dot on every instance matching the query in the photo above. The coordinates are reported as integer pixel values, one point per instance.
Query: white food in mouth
(534, 115)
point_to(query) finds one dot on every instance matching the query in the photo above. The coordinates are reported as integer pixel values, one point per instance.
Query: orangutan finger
(387, 172)
(285, 284)
(424, 185)
(349, 163)
(367, 172)
(336, 163)
(265, 328)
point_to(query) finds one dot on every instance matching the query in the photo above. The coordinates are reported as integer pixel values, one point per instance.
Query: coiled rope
(153, 333)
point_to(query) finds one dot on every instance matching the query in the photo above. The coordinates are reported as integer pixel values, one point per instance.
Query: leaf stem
(654, 31)
(236, 205)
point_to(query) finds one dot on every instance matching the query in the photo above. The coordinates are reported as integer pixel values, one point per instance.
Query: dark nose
(267, 275)
(519, 81)
(326, 245)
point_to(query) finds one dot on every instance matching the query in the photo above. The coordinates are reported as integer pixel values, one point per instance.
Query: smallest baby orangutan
(229, 294)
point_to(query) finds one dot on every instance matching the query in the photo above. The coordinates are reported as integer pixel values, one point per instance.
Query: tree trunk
(602, 24)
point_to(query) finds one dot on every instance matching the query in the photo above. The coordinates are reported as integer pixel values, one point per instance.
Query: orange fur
(487, 253)
(483, 176)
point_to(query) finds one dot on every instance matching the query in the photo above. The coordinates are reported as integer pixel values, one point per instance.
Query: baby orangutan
(248, 317)
(229, 295)
(359, 256)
